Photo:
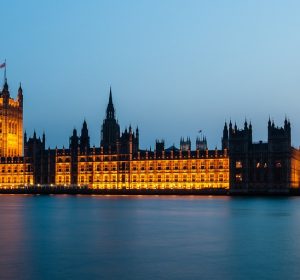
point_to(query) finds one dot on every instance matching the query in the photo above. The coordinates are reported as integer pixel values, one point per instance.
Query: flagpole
(5, 71)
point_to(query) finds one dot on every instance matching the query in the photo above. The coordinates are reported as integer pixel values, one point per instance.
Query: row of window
(258, 164)
(99, 168)
(15, 179)
(175, 178)
(15, 169)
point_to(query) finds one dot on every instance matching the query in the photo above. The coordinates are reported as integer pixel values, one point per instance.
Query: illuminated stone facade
(169, 169)
(119, 163)
(15, 170)
(11, 123)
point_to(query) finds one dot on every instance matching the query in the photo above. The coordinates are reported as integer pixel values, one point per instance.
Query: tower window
(238, 164)
(238, 178)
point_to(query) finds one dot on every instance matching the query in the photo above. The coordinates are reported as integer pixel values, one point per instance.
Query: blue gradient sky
(174, 66)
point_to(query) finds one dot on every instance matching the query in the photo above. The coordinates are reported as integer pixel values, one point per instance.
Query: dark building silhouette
(110, 133)
(42, 160)
(263, 166)
(201, 143)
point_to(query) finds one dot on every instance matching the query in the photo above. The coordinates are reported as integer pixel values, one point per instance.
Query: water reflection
(147, 237)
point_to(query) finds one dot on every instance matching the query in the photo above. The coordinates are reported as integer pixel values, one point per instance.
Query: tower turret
(20, 96)
(225, 137)
(84, 138)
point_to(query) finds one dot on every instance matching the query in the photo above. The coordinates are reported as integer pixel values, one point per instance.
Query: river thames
(149, 237)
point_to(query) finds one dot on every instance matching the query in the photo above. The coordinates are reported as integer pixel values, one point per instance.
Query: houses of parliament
(119, 163)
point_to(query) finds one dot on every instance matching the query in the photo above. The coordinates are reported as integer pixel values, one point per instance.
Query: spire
(110, 95)
(5, 86)
(225, 130)
(84, 125)
(20, 95)
(110, 111)
(84, 138)
(20, 88)
(245, 124)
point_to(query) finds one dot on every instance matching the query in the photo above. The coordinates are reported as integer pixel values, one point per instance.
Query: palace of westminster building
(119, 163)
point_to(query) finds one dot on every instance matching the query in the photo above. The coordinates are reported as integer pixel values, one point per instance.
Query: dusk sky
(175, 67)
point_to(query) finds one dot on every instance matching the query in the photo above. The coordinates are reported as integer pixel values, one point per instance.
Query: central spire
(110, 111)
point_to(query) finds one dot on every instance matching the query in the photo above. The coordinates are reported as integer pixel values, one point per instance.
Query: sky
(175, 67)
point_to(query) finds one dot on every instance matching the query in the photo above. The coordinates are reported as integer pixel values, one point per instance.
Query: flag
(3, 65)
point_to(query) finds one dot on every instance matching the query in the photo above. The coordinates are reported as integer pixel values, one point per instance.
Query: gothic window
(202, 165)
(221, 177)
(202, 177)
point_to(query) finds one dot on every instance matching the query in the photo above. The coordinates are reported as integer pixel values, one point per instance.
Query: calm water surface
(107, 237)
